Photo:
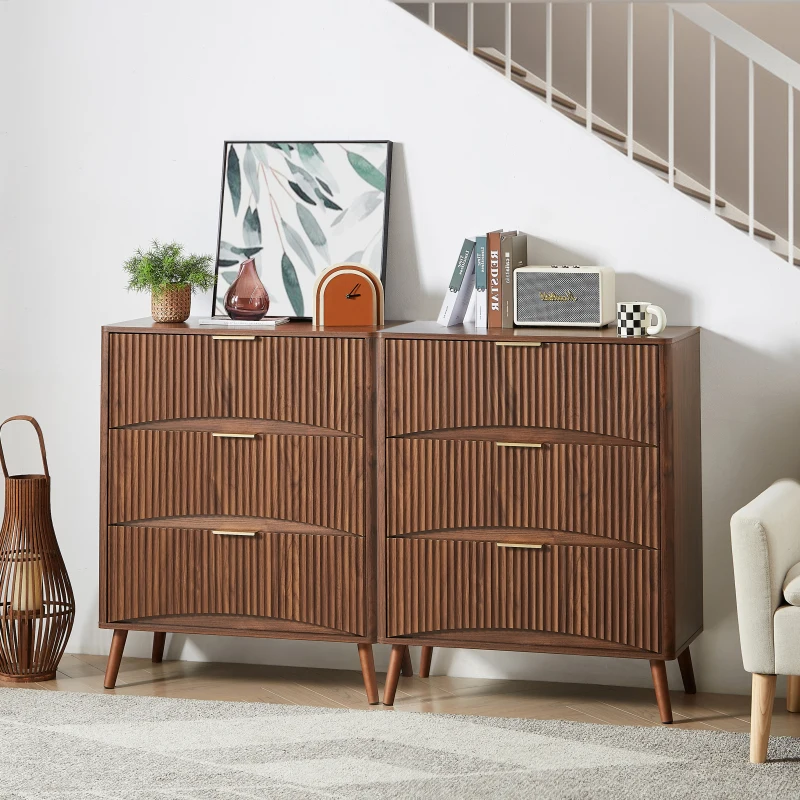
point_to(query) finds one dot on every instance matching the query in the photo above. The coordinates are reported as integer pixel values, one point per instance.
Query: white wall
(115, 115)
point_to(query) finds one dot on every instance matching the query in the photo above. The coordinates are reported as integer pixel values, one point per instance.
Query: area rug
(59, 745)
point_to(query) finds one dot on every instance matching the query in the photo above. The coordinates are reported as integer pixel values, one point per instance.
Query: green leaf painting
(299, 207)
(368, 172)
(298, 245)
(234, 179)
(251, 172)
(292, 286)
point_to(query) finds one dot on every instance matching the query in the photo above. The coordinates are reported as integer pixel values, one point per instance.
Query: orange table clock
(348, 295)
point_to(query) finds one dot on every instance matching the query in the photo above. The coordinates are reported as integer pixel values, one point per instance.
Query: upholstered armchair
(765, 535)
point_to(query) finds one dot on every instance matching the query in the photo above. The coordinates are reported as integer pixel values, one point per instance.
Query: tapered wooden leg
(393, 673)
(687, 672)
(407, 667)
(114, 658)
(368, 672)
(159, 640)
(793, 693)
(425, 662)
(761, 716)
(659, 672)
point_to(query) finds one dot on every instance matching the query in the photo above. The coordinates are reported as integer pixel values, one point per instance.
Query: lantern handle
(38, 430)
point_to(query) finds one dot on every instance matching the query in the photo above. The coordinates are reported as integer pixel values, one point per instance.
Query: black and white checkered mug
(633, 319)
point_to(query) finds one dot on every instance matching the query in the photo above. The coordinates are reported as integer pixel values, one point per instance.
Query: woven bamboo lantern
(37, 607)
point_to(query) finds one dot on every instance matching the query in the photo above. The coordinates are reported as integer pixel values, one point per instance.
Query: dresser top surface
(401, 330)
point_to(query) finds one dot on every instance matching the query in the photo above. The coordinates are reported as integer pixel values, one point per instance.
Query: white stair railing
(720, 29)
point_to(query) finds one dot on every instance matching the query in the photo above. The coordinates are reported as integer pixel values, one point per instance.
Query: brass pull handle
(520, 546)
(222, 338)
(234, 533)
(234, 435)
(517, 444)
(518, 344)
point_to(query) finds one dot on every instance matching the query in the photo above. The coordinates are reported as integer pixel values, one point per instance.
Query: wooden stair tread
(597, 127)
(763, 233)
(495, 60)
(642, 159)
(532, 87)
(698, 194)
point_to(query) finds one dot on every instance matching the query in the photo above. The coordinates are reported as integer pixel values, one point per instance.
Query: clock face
(348, 297)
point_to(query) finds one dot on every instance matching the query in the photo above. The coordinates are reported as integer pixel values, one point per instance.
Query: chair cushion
(791, 586)
(786, 628)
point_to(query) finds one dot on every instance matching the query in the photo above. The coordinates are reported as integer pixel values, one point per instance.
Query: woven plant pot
(172, 305)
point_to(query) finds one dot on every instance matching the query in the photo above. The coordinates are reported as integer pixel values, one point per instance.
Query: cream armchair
(765, 535)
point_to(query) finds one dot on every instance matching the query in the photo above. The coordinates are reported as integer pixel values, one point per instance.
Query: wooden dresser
(539, 490)
(238, 485)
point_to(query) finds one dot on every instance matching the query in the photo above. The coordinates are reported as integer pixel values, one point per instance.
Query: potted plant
(170, 277)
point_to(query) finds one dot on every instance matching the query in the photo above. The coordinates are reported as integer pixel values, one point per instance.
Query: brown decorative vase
(173, 304)
(247, 298)
(37, 607)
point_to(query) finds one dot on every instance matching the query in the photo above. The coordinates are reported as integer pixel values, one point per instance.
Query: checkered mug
(633, 319)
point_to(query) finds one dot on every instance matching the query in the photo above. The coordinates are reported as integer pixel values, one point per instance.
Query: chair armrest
(765, 536)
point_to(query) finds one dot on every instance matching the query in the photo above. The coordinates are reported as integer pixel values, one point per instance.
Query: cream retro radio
(569, 296)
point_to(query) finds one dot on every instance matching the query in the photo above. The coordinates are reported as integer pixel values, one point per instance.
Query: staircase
(719, 29)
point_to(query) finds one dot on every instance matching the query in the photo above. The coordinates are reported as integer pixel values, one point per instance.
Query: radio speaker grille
(583, 287)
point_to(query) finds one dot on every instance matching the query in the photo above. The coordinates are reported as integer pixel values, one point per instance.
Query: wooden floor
(344, 689)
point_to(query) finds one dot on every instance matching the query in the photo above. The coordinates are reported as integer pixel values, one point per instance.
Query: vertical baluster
(712, 121)
(630, 80)
(549, 53)
(508, 41)
(671, 93)
(589, 67)
(791, 175)
(751, 150)
(432, 15)
(471, 28)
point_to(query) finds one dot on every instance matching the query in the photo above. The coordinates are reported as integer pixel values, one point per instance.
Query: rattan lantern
(37, 607)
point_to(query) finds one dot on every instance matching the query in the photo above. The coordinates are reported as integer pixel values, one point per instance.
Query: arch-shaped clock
(348, 295)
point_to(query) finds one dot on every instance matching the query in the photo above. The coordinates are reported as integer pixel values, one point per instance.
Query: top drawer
(605, 389)
(316, 381)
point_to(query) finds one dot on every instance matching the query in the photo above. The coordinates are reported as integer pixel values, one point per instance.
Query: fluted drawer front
(308, 380)
(444, 485)
(605, 389)
(316, 480)
(309, 580)
(601, 593)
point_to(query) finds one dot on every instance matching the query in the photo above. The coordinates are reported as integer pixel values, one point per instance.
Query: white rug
(59, 745)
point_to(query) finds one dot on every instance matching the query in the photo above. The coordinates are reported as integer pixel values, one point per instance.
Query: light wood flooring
(439, 693)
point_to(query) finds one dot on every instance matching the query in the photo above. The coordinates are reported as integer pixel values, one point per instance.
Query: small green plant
(164, 267)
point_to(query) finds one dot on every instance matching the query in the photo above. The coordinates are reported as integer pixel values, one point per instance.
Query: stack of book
(485, 270)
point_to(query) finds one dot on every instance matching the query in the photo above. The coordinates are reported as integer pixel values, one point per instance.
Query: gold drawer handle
(521, 546)
(518, 344)
(234, 533)
(222, 338)
(516, 444)
(234, 435)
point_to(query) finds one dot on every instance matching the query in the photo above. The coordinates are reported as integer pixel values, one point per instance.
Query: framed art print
(297, 208)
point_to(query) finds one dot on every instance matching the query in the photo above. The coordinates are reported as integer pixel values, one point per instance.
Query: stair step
(763, 233)
(532, 87)
(699, 194)
(597, 127)
(642, 159)
(495, 60)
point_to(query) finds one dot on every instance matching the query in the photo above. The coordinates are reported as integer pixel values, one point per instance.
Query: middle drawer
(314, 480)
(437, 485)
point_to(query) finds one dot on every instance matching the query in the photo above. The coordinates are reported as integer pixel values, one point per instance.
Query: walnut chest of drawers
(540, 490)
(237, 485)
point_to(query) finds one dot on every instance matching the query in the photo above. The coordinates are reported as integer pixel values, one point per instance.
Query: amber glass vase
(247, 298)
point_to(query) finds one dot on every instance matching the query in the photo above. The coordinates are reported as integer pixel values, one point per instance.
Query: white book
(227, 322)
(456, 301)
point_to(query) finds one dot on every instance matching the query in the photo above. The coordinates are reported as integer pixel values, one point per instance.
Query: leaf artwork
(291, 285)
(288, 204)
(367, 171)
(251, 228)
(251, 172)
(234, 179)
(313, 231)
(298, 245)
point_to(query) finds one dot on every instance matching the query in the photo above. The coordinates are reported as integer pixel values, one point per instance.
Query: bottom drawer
(264, 581)
(488, 593)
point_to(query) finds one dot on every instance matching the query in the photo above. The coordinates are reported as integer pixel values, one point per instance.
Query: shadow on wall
(404, 284)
